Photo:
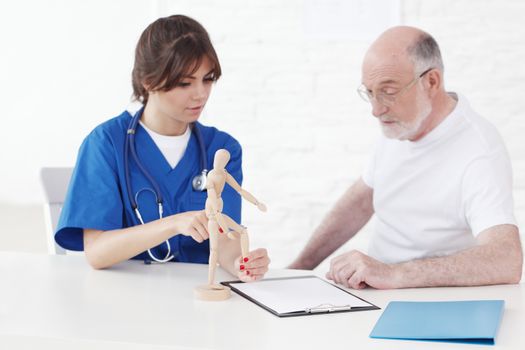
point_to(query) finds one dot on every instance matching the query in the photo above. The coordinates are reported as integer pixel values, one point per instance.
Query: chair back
(55, 181)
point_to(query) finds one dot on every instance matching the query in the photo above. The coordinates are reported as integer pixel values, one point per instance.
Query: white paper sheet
(298, 294)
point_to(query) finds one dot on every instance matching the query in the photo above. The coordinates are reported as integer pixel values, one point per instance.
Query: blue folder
(469, 321)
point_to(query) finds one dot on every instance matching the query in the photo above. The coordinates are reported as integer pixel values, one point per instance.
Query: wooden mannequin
(221, 223)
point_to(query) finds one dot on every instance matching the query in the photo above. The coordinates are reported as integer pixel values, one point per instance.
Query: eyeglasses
(387, 100)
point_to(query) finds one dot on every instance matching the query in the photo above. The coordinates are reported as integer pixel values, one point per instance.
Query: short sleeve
(369, 170)
(487, 192)
(93, 199)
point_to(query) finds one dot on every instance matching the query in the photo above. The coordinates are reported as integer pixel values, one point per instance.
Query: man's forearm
(349, 215)
(496, 262)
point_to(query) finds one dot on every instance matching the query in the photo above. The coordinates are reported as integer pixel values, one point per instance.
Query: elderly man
(440, 183)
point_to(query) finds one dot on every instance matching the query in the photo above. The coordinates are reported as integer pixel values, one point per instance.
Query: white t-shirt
(172, 147)
(432, 197)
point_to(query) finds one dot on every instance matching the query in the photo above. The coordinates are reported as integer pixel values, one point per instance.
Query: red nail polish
(246, 259)
(220, 230)
(247, 272)
(241, 267)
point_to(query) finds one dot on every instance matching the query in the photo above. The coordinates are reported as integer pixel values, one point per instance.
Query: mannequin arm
(214, 204)
(244, 194)
(212, 199)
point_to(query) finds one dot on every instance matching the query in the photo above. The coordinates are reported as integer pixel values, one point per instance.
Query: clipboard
(299, 296)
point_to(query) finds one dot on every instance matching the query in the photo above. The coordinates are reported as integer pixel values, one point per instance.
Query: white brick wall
(306, 134)
(288, 94)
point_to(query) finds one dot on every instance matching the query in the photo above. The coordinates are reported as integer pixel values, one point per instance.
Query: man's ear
(434, 81)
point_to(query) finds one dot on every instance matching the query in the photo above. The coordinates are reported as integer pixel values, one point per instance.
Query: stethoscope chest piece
(199, 182)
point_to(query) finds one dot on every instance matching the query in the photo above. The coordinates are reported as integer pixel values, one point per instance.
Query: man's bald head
(402, 77)
(407, 48)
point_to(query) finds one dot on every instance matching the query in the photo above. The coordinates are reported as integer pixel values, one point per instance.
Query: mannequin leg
(243, 232)
(245, 244)
(213, 229)
(212, 291)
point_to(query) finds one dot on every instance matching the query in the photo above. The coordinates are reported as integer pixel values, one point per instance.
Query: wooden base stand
(214, 292)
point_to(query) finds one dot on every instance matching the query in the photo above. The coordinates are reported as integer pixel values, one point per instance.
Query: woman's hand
(252, 267)
(192, 223)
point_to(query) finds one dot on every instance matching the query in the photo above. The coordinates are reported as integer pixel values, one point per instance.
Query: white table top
(60, 302)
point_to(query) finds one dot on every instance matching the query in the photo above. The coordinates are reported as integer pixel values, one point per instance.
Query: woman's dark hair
(169, 49)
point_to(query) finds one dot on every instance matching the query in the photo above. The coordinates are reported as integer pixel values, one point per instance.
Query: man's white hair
(425, 54)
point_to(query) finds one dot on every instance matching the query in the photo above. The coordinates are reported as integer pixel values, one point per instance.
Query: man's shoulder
(480, 133)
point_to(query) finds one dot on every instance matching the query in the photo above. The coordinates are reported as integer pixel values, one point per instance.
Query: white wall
(287, 92)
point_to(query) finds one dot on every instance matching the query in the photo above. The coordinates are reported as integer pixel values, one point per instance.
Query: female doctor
(138, 187)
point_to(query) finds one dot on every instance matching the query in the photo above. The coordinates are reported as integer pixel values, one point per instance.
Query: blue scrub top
(97, 196)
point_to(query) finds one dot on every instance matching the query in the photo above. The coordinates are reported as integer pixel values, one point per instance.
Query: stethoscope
(198, 183)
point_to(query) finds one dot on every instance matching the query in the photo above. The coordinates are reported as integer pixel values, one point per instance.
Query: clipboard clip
(327, 308)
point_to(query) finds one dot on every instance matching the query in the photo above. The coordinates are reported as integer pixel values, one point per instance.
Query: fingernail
(220, 230)
(247, 272)
(242, 267)
(246, 259)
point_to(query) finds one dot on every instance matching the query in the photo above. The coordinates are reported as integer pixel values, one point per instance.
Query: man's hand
(357, 270)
